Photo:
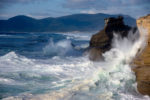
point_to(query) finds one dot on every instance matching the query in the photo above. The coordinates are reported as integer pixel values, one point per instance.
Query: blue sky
(56, 8)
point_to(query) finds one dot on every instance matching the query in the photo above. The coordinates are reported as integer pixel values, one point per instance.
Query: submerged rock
(142, 60)
(101, 42)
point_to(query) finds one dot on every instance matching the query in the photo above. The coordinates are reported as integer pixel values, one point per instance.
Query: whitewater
(56, 66)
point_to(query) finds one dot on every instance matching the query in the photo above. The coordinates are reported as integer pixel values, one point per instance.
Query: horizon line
(27, 15)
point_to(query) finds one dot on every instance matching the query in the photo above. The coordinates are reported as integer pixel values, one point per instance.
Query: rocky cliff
(101, 41)
(142, 60)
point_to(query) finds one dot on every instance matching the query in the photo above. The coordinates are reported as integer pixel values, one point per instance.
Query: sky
(56, 8)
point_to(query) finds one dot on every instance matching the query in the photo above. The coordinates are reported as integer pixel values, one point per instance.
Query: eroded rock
(101, 42)
(142, 60)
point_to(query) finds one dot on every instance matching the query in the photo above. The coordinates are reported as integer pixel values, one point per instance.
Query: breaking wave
(60, 48)
(75, 78)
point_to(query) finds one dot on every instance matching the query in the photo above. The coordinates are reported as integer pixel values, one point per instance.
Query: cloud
(15, 1)
(84, 4)
(5, 3)
(102, 3)
(134, 8)
(91, 11)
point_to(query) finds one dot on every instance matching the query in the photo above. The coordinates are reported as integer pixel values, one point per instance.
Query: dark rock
(101, 42)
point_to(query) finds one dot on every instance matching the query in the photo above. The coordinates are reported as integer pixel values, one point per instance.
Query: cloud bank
(132, 7)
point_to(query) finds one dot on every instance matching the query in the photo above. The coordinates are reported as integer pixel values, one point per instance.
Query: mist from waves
(40, 63)
(111, 79)
(63, 48)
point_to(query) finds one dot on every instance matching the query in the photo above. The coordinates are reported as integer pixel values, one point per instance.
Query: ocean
(56, 66)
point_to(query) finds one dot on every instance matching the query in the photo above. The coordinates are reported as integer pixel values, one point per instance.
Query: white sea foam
(79, 36)
(111, 79)
(6, 81)
(60, 48)
(10, 36)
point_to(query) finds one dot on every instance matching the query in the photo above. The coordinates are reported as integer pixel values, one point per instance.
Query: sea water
(55, 66)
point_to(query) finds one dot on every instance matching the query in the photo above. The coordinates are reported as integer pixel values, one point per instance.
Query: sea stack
(101, 42)
(142, 61)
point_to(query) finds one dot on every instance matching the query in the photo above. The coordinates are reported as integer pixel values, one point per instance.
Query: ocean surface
(55, 66)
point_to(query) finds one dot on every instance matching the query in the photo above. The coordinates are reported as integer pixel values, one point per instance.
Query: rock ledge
(142, 61)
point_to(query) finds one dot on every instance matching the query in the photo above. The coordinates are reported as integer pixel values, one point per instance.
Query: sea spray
(63, 48)
(111, 79)
(60, 48)
(114, 79)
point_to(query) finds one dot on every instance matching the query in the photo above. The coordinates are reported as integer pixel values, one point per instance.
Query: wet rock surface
(101, 42)
(142, 61)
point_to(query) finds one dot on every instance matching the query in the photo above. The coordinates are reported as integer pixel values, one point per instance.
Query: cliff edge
(142, 60)
(101, 42)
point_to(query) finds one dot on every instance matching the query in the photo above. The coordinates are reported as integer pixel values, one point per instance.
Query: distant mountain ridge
(75, 22)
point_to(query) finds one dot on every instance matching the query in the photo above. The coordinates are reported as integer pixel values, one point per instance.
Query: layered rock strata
(142, 60)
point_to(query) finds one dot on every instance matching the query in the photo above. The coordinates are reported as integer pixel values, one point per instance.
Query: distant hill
(76, 22)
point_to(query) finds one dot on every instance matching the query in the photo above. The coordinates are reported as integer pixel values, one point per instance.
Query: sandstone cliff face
(142, 60)
(102, 41)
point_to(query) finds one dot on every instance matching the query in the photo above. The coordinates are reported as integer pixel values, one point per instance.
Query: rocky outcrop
(142, 60)
(101, 41)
